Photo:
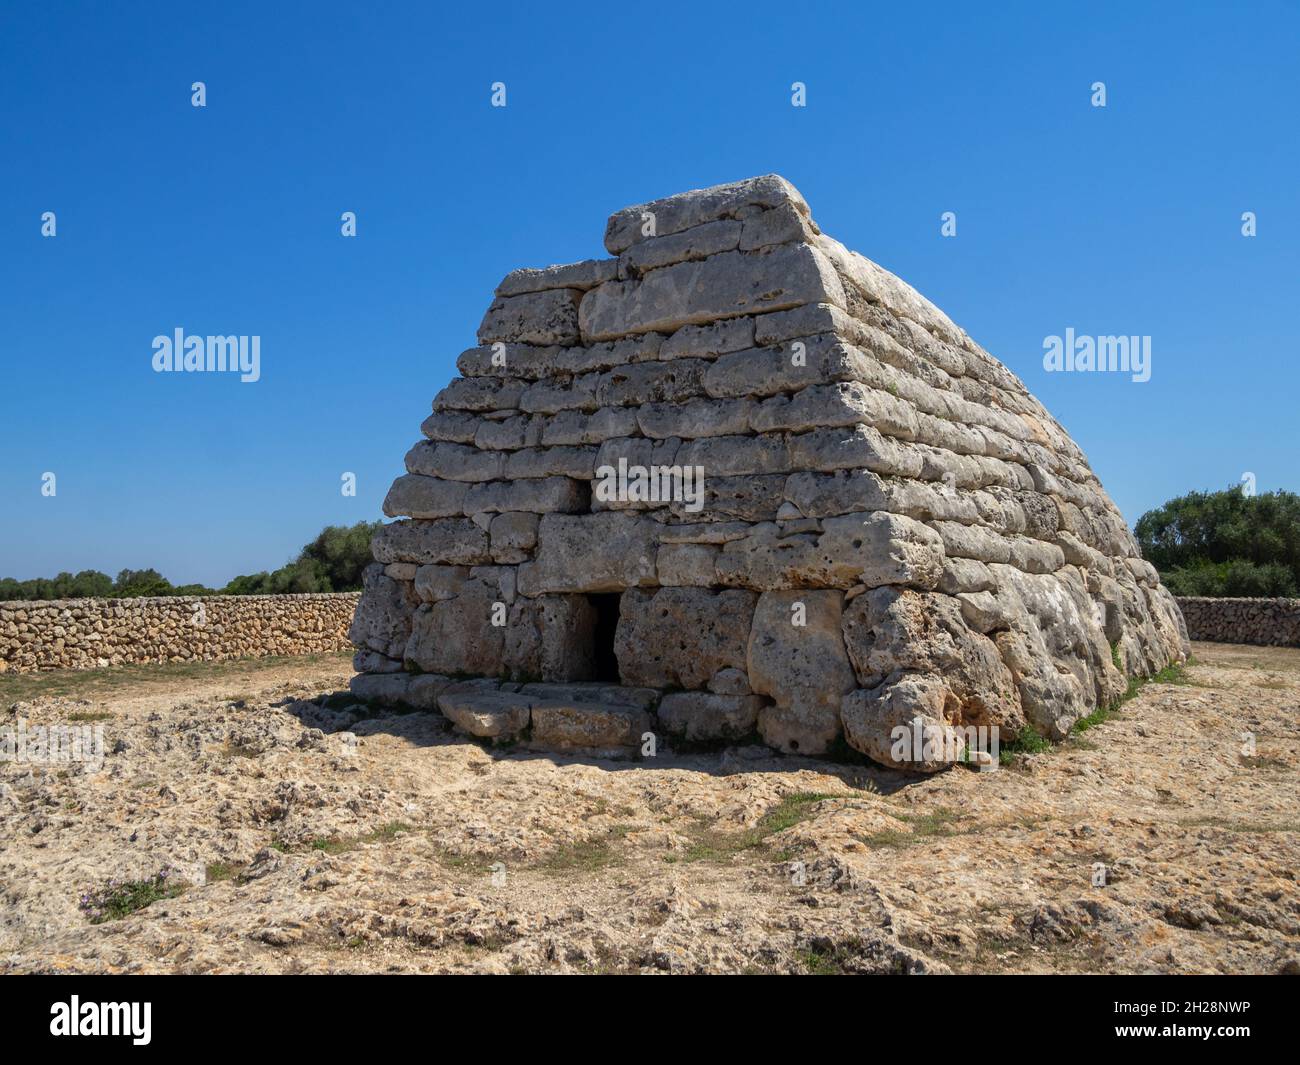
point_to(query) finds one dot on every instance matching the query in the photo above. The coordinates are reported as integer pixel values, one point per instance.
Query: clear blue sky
(225, 219)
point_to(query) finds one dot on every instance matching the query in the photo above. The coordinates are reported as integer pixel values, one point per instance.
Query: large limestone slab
(893, 630)
(451, 541)
(723, 286)
(417, 496)
(705, 716)
(796, 655)
(584, 275)
(551, 637)
(903, 722)
(672, 214)
(870, 548)
(487, 715)
(681, 637)
(569, 725)
(699, 242)
(606, 552)
(383, 618)
(545, 317)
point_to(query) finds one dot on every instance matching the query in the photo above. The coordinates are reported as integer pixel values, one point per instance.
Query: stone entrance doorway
(604, 661)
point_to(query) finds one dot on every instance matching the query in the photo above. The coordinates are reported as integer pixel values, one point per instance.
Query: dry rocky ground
(415, 850)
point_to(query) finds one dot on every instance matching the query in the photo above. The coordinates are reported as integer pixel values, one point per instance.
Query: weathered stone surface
(455, 541)
(387, 689)
(560, 726)
(383, 618)
(723, 286)
(730, 681)
(698, 242)
(796, 656)
(873, 549)
(488, 715)
(374, 662)
(694, 418)
(551, 637)
(901, 723)
(417, 496)
(461, 633)
(593, 692)
(651, 382)
(672, 214)
(681, 637)
(788, 223)
(584, 275)
(513, 537)
(605, 552)
(897, 630)
(578, 427)
(710, 340)
(787, 367)
(455, 462)
(834, 405)
(705, 716)
(479, 394)
(687, 565)
(824, 495)
(546, 317)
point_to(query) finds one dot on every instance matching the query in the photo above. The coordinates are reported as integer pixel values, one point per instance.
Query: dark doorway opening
(605, 664)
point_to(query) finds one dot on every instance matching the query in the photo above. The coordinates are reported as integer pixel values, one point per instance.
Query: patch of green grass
(91, 715)
(120, 898)
(713, 846)
(936, 823)
(466, 863)
(344, 844)
(216, 872)
(1026, 741)
(1175, 674)
(1102, 714)
(586, 856)
(819, 962)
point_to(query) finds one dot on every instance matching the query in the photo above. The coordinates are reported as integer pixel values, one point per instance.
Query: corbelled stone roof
(890, 527)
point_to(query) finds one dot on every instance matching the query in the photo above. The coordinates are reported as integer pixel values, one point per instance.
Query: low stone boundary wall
(93, 633)
(1270, 622)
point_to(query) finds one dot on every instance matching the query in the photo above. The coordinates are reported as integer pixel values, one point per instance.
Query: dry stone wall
(1266, 622)
(887, 527)
(91, 633)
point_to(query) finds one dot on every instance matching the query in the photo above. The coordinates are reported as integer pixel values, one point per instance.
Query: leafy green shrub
(1244, 579)
(1225, 543)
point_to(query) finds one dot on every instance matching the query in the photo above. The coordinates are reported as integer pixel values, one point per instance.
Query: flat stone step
(572, 724)
(490, 715)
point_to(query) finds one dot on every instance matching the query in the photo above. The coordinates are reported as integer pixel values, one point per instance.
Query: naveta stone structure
(739, 479)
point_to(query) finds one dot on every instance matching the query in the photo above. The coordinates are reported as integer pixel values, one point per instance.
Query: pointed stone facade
(736, 480)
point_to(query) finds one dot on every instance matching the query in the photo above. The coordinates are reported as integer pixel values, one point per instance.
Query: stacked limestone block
(892, 529)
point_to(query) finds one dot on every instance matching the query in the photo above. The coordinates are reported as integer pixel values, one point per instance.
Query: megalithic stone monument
(737, 479)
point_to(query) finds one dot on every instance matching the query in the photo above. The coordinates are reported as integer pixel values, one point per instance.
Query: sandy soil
(409, 849)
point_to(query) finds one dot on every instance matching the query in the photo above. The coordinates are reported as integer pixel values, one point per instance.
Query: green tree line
(1225, 543)
(332, 562)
